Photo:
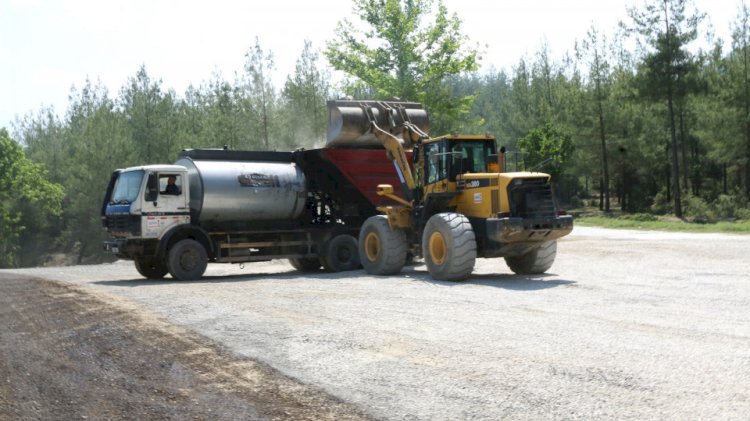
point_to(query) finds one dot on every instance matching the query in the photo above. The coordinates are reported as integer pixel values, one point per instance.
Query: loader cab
(447, 157)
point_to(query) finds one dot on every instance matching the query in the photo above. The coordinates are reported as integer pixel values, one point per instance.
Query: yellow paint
(398, 216)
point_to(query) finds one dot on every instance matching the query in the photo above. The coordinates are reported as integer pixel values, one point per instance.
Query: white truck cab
(146, 201)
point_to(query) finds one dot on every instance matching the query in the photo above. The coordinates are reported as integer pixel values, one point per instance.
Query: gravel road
(628, 324)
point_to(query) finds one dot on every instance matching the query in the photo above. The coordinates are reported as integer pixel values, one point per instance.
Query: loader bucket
(349, 121)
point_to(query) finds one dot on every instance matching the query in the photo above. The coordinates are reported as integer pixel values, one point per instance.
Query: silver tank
(234, 191)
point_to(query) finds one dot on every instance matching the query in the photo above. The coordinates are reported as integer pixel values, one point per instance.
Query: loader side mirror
(492, 165)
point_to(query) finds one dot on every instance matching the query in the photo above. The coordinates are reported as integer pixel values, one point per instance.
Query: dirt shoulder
(65, 354)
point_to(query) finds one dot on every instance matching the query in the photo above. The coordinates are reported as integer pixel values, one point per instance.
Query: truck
(456, 202)
(230, 206)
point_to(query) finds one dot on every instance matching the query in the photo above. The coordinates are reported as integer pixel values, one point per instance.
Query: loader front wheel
(534, 262)
(449, 247)
(382, 249)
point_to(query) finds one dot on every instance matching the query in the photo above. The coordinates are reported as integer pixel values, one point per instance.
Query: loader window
(471, 156)
(436, 165)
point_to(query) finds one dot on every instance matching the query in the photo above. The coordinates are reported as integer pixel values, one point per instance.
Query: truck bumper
(519, 230)
(123, 248)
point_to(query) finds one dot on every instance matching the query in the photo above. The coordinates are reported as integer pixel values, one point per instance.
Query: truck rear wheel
(305, 264)
(187, 260)
(382, 249)
(449, 247)
(151, 268)
(341, 254)
(534, 262)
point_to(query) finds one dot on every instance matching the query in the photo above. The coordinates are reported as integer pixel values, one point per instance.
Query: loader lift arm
(410, 133)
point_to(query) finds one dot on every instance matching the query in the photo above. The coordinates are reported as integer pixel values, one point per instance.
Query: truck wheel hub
(189, 260)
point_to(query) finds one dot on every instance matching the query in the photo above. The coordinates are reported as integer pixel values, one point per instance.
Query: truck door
(165, 204)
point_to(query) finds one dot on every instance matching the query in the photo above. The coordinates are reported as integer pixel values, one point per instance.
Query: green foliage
(698, 210)
(549, 145)
(640, 217)
(402, 54)
(740, 227)
(305, 94)
(261, 96)
(732, 206)
(668, 71)
(27, 199)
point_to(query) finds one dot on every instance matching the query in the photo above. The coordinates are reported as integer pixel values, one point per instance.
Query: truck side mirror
(152, 188)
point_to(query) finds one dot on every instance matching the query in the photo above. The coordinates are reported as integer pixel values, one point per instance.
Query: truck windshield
(127, 187)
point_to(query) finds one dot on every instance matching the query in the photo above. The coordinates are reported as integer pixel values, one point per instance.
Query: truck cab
(143, 203)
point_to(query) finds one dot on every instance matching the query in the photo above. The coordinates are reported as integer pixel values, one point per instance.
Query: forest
(643, 121)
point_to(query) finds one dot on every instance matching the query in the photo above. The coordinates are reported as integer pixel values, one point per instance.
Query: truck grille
(531, 199)
(123, 223)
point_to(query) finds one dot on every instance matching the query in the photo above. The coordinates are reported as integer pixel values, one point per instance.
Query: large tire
(187, 260)
(341, 254)
(151, 268)
(382, 249)
(449, 247)
(534, 262)
(305, 264)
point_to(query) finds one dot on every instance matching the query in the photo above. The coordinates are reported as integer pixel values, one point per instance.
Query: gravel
(627, 325)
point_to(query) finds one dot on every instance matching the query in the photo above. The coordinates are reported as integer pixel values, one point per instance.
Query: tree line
(643, 121)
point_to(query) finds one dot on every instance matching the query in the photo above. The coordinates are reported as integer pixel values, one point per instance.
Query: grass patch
(658, 223)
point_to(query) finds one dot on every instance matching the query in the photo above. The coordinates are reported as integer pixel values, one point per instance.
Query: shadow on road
(244, 277)
(519, 282)
(504, 281)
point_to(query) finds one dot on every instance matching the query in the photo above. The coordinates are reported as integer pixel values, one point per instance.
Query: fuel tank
(349, 121)
(243, 188)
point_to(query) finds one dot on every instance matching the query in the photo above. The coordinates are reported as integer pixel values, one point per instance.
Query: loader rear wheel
(382, 249)
(305, 264)
(151, 268)
(341, 254)
(187, 260)
(449, 247)
(534, 262)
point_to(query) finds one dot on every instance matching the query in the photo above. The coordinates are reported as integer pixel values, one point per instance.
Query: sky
(49, 46)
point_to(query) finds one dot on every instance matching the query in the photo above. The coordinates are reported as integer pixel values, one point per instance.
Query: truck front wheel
(449, 247)
(534, 262)
(151, 268)
(187, 260)
(382, 249)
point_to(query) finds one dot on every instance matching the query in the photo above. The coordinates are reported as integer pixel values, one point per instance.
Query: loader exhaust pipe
(349, 122)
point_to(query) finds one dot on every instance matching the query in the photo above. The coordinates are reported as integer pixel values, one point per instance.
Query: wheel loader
(455, 203)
